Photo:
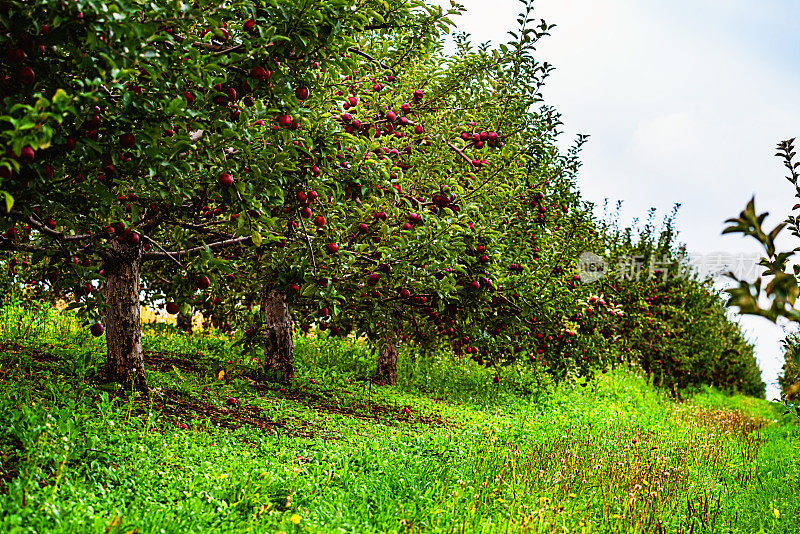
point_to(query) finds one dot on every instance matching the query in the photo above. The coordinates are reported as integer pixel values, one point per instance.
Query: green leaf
(176, 104)
(9, 201)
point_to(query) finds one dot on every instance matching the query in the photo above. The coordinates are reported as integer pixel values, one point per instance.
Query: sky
(684, 102)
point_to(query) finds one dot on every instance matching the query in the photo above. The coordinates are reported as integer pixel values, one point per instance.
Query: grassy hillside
(447, 450)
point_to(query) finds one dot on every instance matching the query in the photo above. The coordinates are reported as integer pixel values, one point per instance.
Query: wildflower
(295, 519)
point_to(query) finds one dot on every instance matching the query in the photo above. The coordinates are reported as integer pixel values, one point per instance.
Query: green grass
(341, 455)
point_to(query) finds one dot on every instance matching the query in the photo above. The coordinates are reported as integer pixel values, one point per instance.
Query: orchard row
(272, 164)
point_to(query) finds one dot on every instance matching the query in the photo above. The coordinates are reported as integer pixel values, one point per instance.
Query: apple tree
(425, 165)
(122, 121)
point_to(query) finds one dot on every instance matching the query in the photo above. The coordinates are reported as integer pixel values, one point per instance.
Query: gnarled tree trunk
(387, 360)
(184, 322)
(124, 357)
(278, 347)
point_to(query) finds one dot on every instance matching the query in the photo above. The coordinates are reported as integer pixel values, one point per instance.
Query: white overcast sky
(684, 102)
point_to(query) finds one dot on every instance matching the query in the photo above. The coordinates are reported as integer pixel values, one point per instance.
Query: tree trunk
(124, 357)
(184, 322)
(387, 360)
(278, 347)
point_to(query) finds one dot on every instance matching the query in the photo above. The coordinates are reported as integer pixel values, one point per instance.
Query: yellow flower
(295, 519)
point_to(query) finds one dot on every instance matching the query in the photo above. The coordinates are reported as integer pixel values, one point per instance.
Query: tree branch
(193, 251)
(308, 241)
(7, 244)
(45, 230)
(153, 241)
(460, 153)
(369, 57)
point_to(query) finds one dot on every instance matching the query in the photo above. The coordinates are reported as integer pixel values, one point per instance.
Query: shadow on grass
(183, 406)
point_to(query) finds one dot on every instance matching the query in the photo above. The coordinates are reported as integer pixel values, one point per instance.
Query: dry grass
(627, 482)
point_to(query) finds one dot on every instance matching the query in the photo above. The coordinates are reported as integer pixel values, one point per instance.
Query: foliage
(166, 131)
(778, 297)
(782, 289)
(673, 324)
(789, 379)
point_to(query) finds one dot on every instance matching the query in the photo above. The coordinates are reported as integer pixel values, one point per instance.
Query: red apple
(15, 55)
(27, 155)
(319, 221)
(332, 248)
(26, 76)
(285, 121)
(225, 180)
(50, 223)
(173, 308)
(203, 283)
(94, 122)
(96, 329)
(127, 140)
(301, 93)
